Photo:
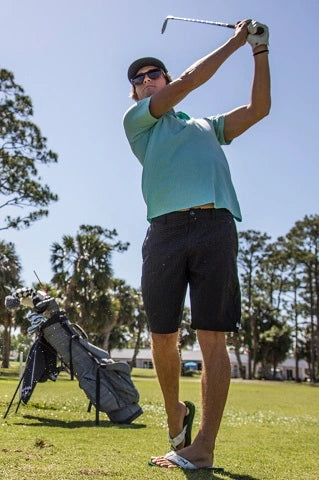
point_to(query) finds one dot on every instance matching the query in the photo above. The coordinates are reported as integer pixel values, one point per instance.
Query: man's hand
(261, 39)
(241, 32)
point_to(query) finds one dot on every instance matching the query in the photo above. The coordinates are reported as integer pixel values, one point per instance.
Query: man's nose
(146, 78)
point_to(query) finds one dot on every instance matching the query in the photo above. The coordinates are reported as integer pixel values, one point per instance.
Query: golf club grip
(259, 31)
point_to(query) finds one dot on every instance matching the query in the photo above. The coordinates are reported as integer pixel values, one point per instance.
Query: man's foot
(191, 453)
(183, 438)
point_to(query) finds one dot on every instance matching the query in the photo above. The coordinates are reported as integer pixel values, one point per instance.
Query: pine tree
(23, 150)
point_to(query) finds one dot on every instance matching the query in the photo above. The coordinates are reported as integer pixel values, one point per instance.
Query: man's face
(149, 86)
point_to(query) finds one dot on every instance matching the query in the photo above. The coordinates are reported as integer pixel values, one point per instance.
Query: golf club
(251, 28)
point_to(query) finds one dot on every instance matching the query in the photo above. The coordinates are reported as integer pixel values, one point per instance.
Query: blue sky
(71, 57)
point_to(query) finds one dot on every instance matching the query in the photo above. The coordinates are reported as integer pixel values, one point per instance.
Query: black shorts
(198, 248)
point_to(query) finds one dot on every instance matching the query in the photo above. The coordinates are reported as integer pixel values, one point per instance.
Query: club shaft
(196, 20)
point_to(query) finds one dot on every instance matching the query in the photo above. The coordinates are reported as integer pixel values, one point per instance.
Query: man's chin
(146, 94)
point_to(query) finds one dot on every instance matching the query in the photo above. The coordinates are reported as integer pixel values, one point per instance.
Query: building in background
(192, 362)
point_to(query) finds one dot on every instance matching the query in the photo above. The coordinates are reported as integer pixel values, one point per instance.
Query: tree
(274, 346)
(293, 299)
(10, 270)
(22, 150)
(21, 343)
(252, 249)
(138, 327)
(129, 328)
(187, 336)
(82, 271)
(119, 332)
(305, 238)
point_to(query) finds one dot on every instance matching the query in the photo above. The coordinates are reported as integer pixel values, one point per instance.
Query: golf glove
(256, 39)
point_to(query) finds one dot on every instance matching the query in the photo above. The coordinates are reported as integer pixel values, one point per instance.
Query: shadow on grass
(211, 475)
(51, 422)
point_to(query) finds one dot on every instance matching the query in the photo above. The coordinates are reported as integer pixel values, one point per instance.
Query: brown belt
(200, 207)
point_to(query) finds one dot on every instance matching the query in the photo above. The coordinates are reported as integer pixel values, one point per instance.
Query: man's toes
(162, 462)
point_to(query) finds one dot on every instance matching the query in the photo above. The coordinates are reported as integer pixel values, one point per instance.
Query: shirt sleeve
(138, 123)
(217, 123)
(138, 119)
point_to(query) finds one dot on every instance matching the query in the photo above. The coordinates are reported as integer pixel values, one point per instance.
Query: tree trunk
(312, 328)
(250, 324)
(6, 341)
(274, 366)
(265, 371)
(255, 347)
(237, 353)
(106, 334)
(297, 379)
(249, 363)
(317, 312)
(137, 345)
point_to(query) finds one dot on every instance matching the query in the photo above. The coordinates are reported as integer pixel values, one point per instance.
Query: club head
(165, 22)
(164, 25)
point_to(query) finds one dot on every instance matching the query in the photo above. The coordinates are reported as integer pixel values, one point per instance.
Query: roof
(187, 355)
(291, 363)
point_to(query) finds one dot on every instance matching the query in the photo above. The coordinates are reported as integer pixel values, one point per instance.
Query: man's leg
(167, 363)
(215, 384)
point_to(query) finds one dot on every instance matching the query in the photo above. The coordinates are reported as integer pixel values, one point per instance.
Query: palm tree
(82, 270)
(10, 270)
(129, 321)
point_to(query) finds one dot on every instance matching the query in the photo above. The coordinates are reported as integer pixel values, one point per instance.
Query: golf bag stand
(12, 399)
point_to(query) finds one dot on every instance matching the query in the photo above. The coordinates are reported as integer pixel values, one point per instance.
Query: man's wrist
(260, 48)
(234, 44)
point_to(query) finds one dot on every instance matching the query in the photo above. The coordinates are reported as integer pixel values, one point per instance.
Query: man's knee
(167, 341)
(212, 336)
(211, 340)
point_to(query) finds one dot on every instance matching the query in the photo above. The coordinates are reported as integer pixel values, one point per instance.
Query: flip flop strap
(180, 461)
(178, 439)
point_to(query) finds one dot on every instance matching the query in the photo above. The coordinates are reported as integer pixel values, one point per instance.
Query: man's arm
(239, 120)
(197, 74)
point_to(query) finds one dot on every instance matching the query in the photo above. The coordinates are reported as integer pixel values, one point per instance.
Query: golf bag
(107, 383)
(41, 365)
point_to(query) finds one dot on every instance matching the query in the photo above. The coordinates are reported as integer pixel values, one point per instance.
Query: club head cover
(36, 321)
(11, 302)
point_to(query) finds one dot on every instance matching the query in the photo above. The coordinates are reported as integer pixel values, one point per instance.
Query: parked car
(189, 368)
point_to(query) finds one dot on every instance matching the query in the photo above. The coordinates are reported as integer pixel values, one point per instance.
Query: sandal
(186, 433)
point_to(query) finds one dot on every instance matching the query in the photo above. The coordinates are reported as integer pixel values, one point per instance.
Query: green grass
(9, 372)
(269, 432)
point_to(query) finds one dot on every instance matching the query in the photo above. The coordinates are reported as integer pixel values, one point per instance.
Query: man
(192, 238)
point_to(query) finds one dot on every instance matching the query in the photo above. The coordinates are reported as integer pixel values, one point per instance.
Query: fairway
(269, 432)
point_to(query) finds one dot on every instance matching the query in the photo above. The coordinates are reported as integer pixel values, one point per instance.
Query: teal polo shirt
(183, 163)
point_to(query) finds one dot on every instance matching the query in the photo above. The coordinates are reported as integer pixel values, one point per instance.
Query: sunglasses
(152, 74)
